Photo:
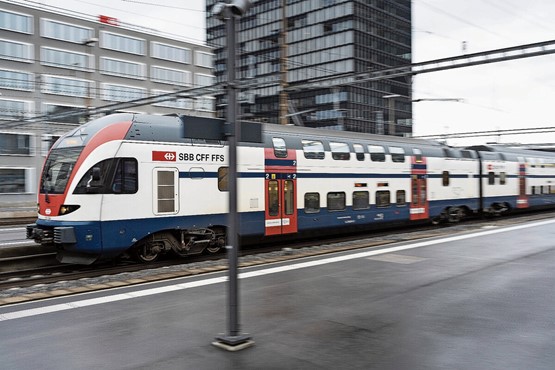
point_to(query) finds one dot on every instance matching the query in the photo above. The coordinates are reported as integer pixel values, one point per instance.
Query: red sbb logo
(163, 156)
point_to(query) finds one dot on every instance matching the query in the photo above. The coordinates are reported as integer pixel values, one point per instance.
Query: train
(134, 184)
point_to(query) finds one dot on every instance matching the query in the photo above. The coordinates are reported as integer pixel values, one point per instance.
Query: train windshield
(57, 169)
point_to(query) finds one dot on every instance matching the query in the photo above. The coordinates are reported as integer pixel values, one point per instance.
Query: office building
(328, 41)
(54, 63)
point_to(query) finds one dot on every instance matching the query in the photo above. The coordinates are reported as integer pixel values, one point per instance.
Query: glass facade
(325, 39)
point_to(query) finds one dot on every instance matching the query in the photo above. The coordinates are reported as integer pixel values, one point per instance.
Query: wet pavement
(466, 302)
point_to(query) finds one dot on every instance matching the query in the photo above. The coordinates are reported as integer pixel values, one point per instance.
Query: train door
(419, 205)
(522, 200)
(280, 190)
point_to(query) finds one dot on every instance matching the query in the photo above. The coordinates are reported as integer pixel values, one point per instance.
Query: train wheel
(216, 246)
(146, 252)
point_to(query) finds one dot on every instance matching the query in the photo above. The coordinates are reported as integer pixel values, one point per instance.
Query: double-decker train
(133, 184)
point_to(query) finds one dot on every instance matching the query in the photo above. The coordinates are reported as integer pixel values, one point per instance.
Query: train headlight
(68, 208)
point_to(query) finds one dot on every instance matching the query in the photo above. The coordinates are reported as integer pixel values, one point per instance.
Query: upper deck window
(377, 153)
(313, 149)
(359, 150)
(397, 154)
(280, 150)
(340, 151)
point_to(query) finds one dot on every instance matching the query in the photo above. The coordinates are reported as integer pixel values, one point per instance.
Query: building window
(12, 180)
(170, 76)
(116, 67)
(18, 51)
(47, 142)
(313, 149)
(203, 80)
(377, 153)
(336, 201)
(65, 59)
(170, 52)
(203, 59)
(173, 102)
(16, 80)
(205, 103)
(340, 151)
(66, 86)
(16, 22)
(113, 92)
(125, 44)
(65, 31)
(312, 203)
(13, 109)
(15, 144)
(64, 113)
(361, 200)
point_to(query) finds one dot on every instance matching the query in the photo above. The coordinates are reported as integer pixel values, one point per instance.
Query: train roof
(171, 128)
(512, 151)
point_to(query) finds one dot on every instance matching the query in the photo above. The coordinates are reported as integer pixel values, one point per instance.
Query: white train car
(132, 183)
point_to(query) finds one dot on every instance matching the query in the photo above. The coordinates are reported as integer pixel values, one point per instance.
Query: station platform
(481, 300)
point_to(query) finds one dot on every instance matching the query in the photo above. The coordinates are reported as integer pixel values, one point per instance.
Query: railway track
(48, 278)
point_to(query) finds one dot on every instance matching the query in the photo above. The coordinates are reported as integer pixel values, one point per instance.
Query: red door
(281, 194)
(522, 200)
(419, 206)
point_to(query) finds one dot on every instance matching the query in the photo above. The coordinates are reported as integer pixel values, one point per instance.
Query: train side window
(336, 201)
(359, 150)
(533, 190)
(126, 178)
(91, 185)
(466, 154)
(445, 178)
(312, 202)
(397, 154)
(361, 200)
(401, 198)
(502, 178)
(222, 179)
(383, 198)
(280, 149)
(313, 149)
(377, 153)
(491, 178)
(166, 192)
(340, 151)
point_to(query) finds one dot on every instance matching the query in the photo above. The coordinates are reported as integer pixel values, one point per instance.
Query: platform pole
(233, 340)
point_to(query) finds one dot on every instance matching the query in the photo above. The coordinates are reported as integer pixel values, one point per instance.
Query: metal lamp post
(233, 340)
